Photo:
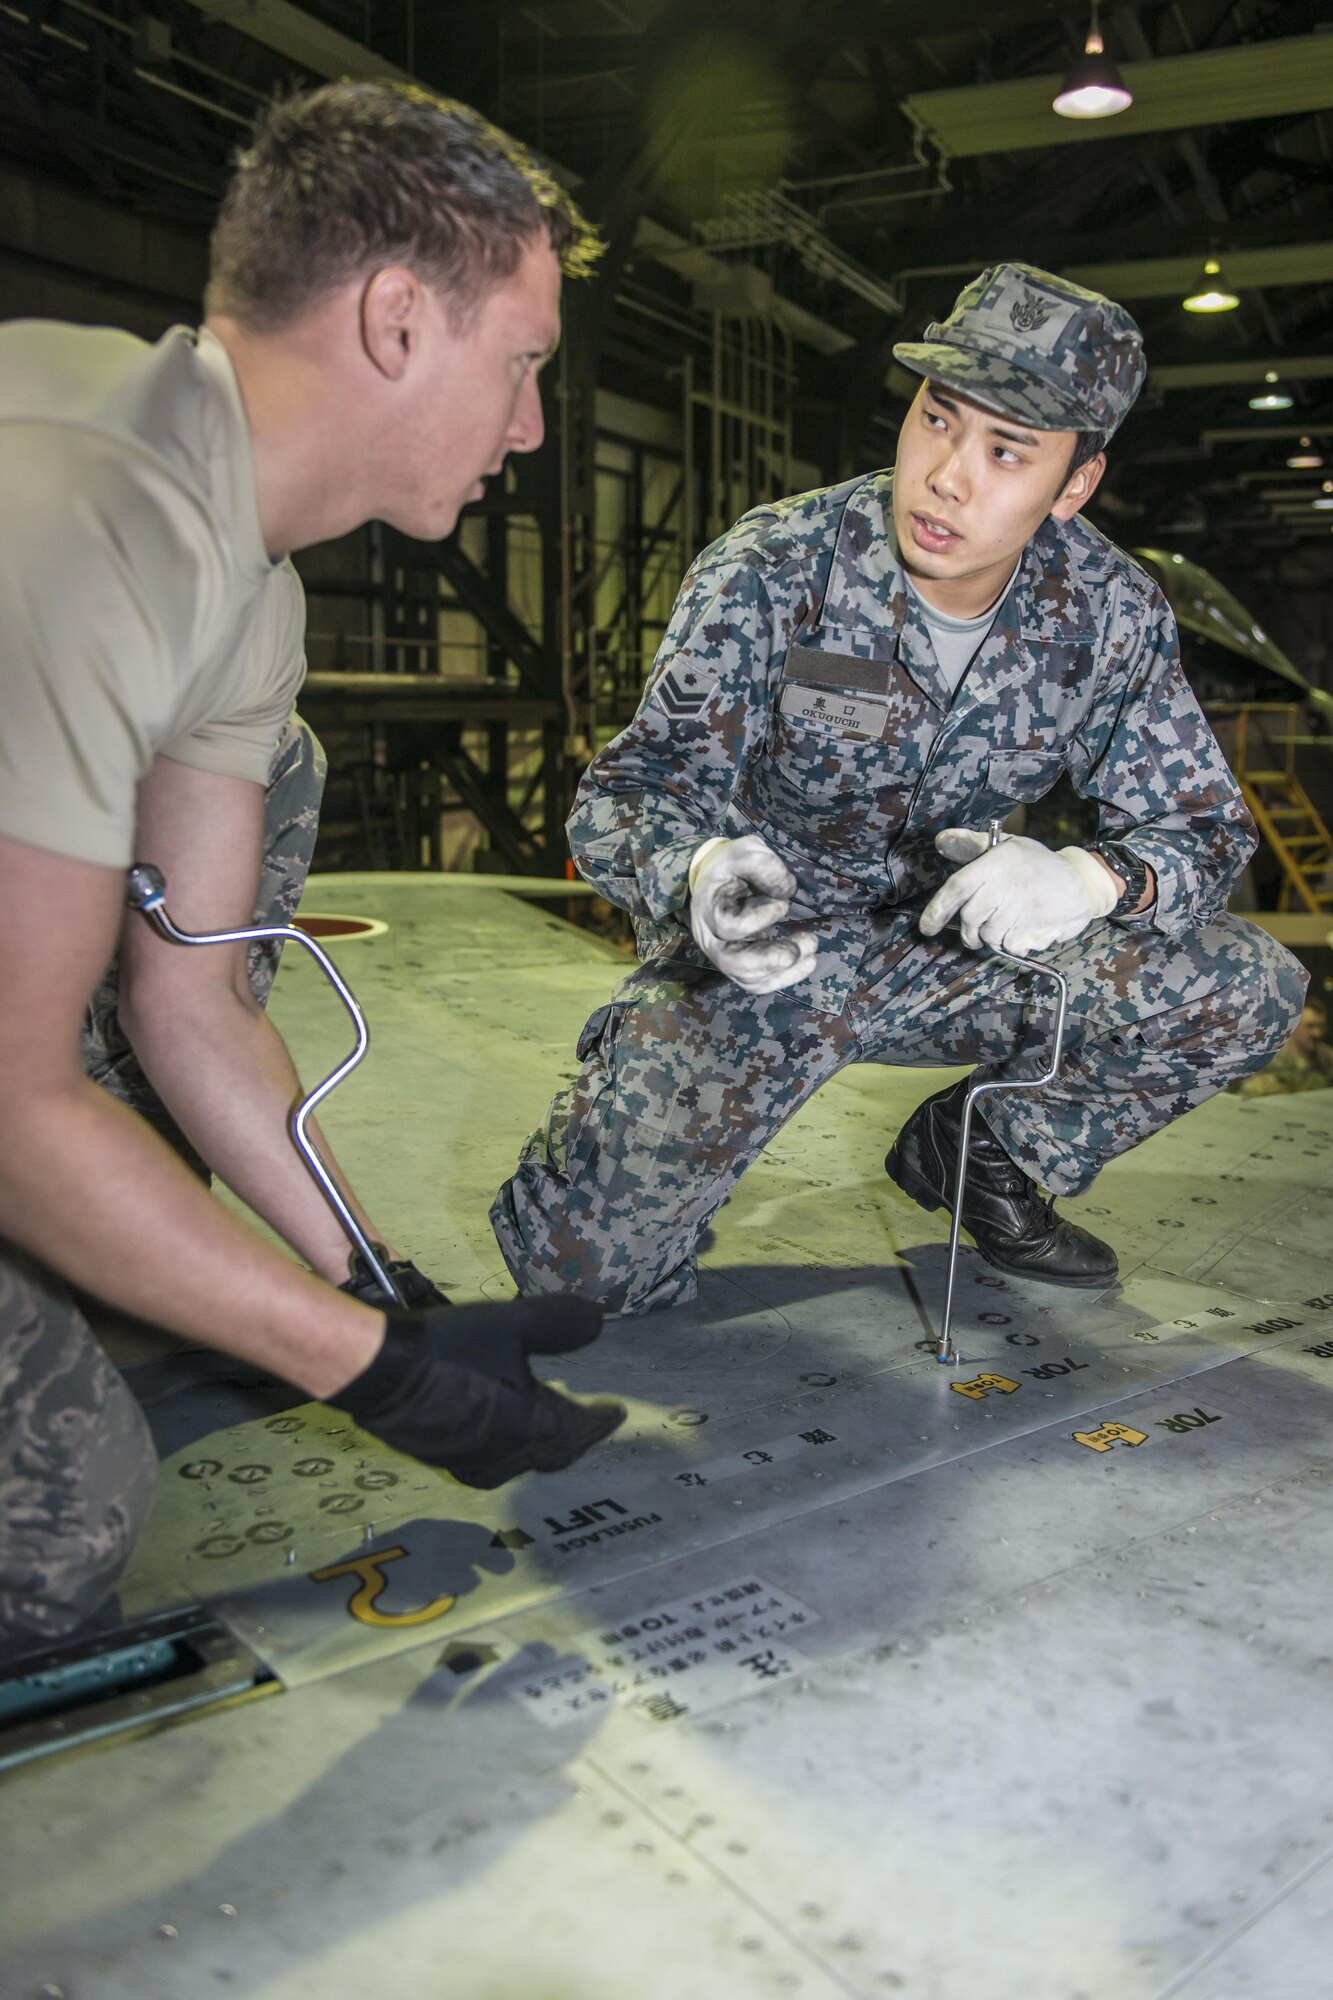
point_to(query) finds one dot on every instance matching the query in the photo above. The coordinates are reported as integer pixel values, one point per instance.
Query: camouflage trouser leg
(291, 822)
(77, 1464)
(1155, 1026)
(686, 1078)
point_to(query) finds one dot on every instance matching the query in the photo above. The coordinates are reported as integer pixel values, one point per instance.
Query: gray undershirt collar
(957, 641)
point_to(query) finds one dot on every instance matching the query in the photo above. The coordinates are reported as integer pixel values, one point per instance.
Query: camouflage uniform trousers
(686, 1077)
(77, 1464)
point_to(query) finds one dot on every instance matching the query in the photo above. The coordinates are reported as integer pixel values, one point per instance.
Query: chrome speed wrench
(946, 1349)
(145, 890)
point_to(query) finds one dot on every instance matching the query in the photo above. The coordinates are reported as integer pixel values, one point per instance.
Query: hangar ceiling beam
(301, 38)
(324, 52)
(1221, 374)
(575, 58)
(1247, 434)
(1174, 277)
(1171, 94)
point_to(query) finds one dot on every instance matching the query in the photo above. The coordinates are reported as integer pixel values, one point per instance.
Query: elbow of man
(40, 1099)
(23, 1100)
(176, 995)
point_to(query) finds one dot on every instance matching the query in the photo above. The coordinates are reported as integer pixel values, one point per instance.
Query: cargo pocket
(574, 1122)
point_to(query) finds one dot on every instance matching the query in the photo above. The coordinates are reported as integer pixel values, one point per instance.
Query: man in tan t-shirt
(384, 288)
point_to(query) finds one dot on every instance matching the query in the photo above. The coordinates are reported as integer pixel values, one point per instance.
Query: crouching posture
(385, 281)
(855, 685)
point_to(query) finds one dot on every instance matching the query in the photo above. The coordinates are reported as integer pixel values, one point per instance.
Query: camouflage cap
(1029, 345)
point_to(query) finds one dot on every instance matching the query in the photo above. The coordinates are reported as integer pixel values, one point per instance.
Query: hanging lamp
(1094, 87)
(1211, 294)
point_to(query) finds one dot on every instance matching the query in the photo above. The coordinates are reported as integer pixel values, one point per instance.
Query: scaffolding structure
(461, 687)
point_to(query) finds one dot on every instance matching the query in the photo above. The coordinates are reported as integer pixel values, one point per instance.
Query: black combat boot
(1012, 1223)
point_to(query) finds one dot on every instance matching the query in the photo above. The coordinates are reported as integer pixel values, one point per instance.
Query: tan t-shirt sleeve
(241, 743)
(122, 638)
(100, 568)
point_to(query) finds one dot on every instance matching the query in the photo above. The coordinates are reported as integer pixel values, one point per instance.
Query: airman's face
(474, 396)
(970, 490)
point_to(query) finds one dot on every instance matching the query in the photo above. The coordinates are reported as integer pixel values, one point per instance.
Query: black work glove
(416, 1290)
(455, 1389)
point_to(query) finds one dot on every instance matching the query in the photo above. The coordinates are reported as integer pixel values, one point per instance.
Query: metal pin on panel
(145, 891)
(946, 1349)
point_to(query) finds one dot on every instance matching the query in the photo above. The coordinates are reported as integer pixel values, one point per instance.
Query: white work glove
(1020, 896)
(738, 890)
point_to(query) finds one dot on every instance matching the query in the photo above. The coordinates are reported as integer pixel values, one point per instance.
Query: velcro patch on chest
(682, 692)
(823, 708)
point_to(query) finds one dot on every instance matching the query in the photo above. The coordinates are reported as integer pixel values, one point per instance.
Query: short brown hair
(346, 179)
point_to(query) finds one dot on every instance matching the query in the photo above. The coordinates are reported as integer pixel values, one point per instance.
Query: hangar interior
(778, 1692)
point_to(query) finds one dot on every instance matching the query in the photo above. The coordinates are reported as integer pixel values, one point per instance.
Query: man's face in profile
(473, 396)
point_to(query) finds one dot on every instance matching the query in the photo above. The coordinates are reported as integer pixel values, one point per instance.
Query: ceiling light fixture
(1212, 295)
(1278, 400)
(1093, 87)
(1305, 461)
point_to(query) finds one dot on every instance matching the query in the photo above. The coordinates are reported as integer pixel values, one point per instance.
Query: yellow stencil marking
(978, 1388)
(1109, 1435)
(361, 1604)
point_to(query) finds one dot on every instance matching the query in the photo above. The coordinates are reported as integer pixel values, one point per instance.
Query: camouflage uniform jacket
(796, 694)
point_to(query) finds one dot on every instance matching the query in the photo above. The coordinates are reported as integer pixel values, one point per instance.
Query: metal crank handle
(945, 1349)
(145, 890)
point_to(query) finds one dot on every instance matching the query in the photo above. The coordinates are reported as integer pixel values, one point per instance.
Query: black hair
(1087, 444)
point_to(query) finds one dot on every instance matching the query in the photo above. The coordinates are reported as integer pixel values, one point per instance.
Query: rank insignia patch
(682, 692)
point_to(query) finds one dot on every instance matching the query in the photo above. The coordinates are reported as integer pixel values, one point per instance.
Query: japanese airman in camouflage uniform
(855, 685)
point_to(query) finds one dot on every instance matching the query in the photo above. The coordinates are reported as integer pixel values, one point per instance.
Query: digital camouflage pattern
(686, 1078)
(1030, 345)
(77, 1465)
(797, 695)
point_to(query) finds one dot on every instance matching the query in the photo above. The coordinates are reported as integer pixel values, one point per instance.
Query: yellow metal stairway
(1260, 741)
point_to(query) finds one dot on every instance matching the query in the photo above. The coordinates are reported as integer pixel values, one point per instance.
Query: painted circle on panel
(322, 924)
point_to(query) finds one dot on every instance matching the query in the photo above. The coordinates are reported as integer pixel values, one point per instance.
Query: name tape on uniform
(832, 711)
